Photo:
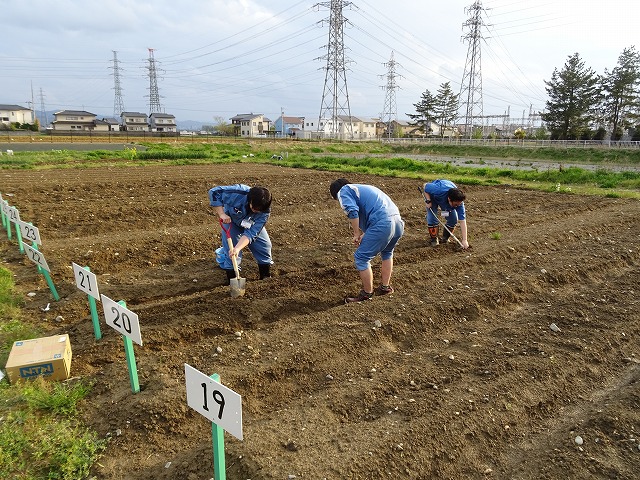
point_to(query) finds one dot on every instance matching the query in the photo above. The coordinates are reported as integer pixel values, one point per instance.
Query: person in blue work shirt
(377, 227)
(245, 211)
(444, 195)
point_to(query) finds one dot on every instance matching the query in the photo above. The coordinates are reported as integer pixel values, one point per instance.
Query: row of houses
(246, 125)
(81, 121)
(347, 127)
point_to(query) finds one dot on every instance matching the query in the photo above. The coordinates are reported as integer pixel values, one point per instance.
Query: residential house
(15, 114)
(348, 128)
(403, 128)
(367, 129)
(289, 126)
(134, 121)
(251, 124)
(114, 124)
(162, 122)
(75, 120)
(101, 126)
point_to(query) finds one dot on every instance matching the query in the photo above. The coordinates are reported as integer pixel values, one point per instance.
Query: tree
(574, 96)
(446, 107)
(621, 89)
(425, 112)
(223, 127)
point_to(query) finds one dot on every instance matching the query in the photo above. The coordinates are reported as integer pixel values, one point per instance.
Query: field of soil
(457, 375)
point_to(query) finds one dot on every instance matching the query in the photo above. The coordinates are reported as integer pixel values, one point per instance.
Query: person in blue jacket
(245, 210)
(444, 195)
(377, 227)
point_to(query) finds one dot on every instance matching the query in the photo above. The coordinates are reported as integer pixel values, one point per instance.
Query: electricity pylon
(43, 112)
(335, 96)
(471, 86)
(154, 94)
(390, 110)
(118, 102)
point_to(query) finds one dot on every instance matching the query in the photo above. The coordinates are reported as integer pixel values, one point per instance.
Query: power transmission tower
(335, 96)
(118, 102)
(154, 95)
(43, 112)
(390, 110)
(471, 86)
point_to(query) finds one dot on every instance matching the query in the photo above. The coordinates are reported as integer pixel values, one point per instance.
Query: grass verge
(337, 157)
(40, 434)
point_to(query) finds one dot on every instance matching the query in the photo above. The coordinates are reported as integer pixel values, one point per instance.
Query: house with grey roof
(15, 114)
(134, 121)
(162, 122)
(75, 120)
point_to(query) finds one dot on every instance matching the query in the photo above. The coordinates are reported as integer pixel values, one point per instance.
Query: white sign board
(213, 400)
(121, 319)
(86, 281)
(14, 214)
(36, 257)
(5, 207)
(29, 232)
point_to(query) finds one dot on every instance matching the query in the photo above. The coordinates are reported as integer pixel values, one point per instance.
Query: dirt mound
(455, 375)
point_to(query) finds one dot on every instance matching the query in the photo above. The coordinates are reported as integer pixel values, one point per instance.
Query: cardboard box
(49, 357)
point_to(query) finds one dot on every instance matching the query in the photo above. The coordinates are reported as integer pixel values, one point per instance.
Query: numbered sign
(213, 400)
(29, 232)
(5, 207)
(122, 319)
(14, 215)
(86, 281)
(36, 257)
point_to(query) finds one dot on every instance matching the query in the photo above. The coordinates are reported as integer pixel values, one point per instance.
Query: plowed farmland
(458, 374)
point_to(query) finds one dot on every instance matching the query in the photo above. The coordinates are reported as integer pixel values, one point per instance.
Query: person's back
(373, 204)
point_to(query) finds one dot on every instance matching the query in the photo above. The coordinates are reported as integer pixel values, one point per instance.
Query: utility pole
(282, 121)
(118, 102)
(154, 94)
(471, 86)
(390, 110)
(43, 112)
(335, 96)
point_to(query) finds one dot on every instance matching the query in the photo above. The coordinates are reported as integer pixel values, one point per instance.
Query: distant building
(288, 126)
(134, 121)
(251, 124)
(15, 114)
(76, 120)
(348, 128)
(162, 122)
(114, 124)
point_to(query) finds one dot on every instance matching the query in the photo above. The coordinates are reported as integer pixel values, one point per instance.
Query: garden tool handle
(230, 243)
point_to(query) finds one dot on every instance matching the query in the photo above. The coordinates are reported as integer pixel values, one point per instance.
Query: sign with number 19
(213, 400)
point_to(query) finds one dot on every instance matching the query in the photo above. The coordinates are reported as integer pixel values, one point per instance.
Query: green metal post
(94, 314)
(131, 359)
(47, 277)
(217, 434)
(19, 237)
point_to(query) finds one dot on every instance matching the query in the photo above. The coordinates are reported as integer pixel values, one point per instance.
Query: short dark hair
(259, 198)
(336, 185)
(456, 195)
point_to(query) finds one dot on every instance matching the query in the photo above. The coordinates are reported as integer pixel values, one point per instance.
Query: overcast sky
(223, 57)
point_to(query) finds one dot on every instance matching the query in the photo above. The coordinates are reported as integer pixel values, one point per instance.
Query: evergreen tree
(446, 107)
(574, 97)
(425, 112)
(621, 88)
